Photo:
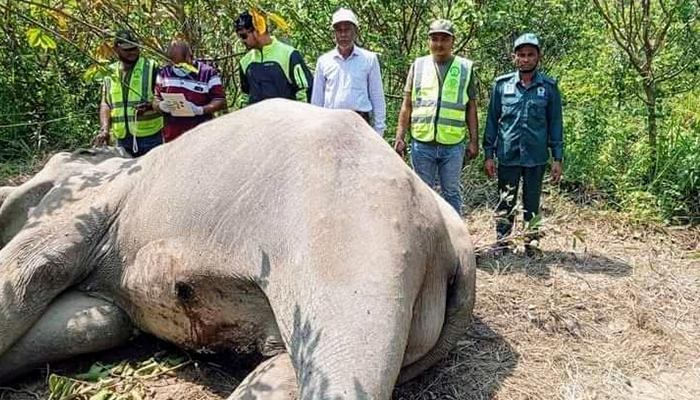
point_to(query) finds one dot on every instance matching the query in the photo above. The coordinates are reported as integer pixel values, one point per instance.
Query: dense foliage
(627, 70)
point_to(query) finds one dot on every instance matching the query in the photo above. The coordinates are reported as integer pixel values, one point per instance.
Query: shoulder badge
(549, 80)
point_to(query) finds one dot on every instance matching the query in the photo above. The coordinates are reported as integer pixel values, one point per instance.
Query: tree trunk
(650, 92)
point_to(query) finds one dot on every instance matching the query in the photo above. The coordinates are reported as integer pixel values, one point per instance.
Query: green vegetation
(627, 70)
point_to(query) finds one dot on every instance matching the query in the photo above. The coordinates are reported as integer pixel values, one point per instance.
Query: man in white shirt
(348, 76)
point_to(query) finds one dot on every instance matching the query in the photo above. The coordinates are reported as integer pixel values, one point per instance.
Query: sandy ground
(610, 311)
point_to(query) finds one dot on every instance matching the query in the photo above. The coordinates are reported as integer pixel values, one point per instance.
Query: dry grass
(616, 317)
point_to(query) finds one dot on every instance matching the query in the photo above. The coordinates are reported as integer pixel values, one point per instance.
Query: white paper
(178, 104)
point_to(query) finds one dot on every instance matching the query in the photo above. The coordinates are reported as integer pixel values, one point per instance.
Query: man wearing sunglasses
(271, 68)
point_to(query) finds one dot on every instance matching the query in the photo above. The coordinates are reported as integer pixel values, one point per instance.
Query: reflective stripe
(462, 82)
(441, 121)
(417, 79)
(120, 104)
(145, 80)
(300, 77)
(147, 117)
(443, 104)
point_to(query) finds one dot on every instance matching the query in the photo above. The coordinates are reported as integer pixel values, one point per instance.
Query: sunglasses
(243, 36)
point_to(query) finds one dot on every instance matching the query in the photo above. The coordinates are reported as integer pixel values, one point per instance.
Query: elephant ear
(259, 22)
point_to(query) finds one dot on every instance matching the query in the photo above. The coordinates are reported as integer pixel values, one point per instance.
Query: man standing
(524, 121)
(348, 76)
(271, 68)
(126, 111)
(199, 83)
(439, 103)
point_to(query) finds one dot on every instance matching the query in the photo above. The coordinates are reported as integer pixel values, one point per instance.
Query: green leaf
(535, 222)
(97, 371)
(60, 387)
(38, 38)
(104, 394)
(95, 72)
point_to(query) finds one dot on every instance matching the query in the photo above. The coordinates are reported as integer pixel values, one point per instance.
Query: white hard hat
(344, 15)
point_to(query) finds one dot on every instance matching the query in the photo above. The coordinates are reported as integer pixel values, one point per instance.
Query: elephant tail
(458, 313)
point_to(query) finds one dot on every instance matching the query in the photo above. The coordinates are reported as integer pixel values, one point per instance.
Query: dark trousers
(141, 145)
(508, 181)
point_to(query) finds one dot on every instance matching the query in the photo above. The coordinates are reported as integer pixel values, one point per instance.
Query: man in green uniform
(523, 126)
(126, 111)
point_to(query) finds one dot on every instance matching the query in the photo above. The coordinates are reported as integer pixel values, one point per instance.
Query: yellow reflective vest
(439, 111)
(123, 115)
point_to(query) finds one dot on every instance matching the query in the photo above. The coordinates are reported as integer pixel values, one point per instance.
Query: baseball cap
(244, 21)
(344, 15)
(125, 40)
(441, 26)
(527, 38)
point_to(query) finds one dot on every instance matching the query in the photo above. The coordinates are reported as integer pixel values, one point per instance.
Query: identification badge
(509, 88)
(540, 91)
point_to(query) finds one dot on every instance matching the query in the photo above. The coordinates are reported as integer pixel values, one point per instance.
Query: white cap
(344, 15)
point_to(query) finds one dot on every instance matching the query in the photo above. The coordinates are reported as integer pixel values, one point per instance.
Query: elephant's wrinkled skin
(283, 228)
(17, 202)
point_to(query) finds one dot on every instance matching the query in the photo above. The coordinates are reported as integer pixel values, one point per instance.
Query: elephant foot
(274, 379)
(73, 324)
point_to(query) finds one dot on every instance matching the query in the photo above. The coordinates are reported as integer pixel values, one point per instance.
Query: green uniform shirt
(524, 122)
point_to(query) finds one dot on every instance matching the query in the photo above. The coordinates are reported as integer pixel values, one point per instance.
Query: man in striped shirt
(198, 82)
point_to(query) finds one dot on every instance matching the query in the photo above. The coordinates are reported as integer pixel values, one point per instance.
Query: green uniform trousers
(508, 180)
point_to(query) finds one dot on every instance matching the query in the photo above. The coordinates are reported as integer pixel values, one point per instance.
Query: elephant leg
(273, 379)
(73, 324)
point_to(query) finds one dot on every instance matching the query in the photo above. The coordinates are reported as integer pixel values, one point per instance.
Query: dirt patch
(610, 311)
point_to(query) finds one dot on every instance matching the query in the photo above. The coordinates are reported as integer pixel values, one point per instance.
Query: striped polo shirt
(199, 88)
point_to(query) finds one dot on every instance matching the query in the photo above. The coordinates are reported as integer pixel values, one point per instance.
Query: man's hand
(400, 147)
(165, 106)
(101, 139)
(490, 168)
(555, 173)
(143, 107)
(197, 110)
(472, 150)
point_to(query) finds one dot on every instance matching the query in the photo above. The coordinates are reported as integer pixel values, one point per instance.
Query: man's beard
(127, 62)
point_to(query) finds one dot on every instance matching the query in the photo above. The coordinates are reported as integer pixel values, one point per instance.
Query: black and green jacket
(278, 70)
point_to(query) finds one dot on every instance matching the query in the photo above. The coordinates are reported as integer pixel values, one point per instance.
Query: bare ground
(611, 314)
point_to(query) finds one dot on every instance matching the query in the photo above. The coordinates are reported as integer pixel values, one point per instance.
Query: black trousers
(508, 180)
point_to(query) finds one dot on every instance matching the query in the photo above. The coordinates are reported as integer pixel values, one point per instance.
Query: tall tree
(660, 39)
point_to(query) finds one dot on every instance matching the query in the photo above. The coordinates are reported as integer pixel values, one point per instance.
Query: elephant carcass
(283, 229)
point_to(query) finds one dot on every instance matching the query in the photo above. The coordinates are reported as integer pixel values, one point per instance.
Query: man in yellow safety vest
(439, 106)
(126, 111)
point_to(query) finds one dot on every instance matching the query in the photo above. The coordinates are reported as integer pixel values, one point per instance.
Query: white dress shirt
(352, 83)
